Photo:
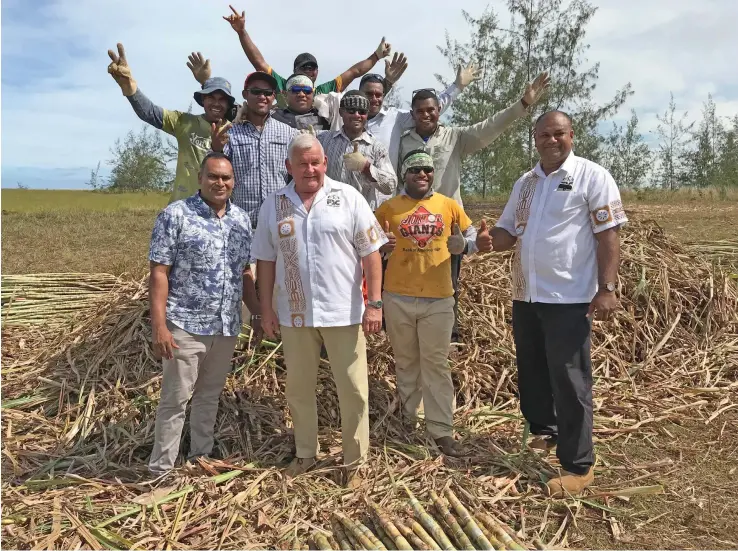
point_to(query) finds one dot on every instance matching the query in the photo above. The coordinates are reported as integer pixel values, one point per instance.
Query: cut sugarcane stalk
(457, 532)
(384, 522)
(467, 521)
(428, 522)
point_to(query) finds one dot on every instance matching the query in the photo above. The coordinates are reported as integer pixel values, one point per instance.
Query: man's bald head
(556, 115)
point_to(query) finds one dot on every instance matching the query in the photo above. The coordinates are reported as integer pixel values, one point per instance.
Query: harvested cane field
(79, 398)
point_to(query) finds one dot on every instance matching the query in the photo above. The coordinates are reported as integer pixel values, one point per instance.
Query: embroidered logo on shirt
(297, 320)
(618, 213)
(286, 228)
(602, 215)
(566, 184)
(334, 200)
(422, 226)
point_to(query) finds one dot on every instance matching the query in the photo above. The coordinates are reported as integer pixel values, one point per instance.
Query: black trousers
(552, 343)
(455, 270)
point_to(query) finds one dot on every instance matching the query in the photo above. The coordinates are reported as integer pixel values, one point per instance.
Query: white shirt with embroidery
(318, 253)
(555, 219)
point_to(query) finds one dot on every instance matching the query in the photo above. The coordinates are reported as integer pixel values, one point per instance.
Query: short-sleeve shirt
(420, 265)
(555, 219)
(318, 253)
(192, 133)
(207, 255)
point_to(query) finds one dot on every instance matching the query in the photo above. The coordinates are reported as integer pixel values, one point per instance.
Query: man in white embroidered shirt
(313, 239)
(563, 219)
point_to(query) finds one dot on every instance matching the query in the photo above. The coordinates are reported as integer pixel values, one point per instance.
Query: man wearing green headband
(424, 229)
(450, 145)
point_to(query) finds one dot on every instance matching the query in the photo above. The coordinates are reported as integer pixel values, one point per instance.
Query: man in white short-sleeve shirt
(313, 240)
(562, 218)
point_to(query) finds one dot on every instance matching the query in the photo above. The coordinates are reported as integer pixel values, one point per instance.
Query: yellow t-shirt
(420, 265)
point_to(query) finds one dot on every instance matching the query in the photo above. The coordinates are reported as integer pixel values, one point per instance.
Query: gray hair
(303, 142)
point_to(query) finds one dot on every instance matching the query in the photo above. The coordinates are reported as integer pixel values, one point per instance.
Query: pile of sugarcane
(723, 252)
(443, 528)
(52, 299)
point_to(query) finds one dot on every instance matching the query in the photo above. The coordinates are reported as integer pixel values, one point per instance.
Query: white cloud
(71, 112)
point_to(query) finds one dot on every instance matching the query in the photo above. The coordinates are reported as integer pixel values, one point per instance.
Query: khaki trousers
(198, 371)
(420, 332)
(346, 348)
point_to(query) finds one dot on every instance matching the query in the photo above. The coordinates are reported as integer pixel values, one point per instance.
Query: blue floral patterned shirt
(207, 256)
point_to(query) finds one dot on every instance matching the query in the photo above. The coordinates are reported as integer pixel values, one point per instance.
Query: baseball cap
(260, 75)
(212, 85)
(305, 59)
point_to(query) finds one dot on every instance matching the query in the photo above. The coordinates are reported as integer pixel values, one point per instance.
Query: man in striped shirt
(257, 146)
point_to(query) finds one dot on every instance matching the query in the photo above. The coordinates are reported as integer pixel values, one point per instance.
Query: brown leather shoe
(569, 483)
(299, 466)
(543, 444)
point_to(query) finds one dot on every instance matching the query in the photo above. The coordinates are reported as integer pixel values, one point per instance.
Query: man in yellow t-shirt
(424, 228)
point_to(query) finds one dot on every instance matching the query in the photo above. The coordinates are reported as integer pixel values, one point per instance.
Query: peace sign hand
(238, 22)
(121, 72)
(219, 136)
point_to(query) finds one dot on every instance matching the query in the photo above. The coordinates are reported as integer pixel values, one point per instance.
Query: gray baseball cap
(212, 85)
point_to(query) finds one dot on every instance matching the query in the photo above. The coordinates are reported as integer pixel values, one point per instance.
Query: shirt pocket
(563, 201)
(277, 155)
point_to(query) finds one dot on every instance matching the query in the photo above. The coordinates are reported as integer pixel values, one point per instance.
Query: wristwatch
(610, 286)
(376, 304)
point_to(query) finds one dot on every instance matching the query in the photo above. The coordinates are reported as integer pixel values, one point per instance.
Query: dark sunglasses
(304, 89)
(266, 92)
(354, 111)
(309, 67)
(419, 169)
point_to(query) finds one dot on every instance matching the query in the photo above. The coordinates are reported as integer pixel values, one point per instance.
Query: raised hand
(484, 239)
(394, 70)
(238, 22)
(534, 91)
(388, 247)
(466, 75)
(219, 136)
(199, 66)
(355, 162)
(121, 72)
(456, 242)
(383, 50)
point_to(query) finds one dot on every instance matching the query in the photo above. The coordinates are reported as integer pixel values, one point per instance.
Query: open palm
(535, 90)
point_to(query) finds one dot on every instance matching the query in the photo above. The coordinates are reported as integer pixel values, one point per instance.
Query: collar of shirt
(206, 210)
(289, 190)
(429, 194)
(365, 136)
(568, 166)
(412, 132)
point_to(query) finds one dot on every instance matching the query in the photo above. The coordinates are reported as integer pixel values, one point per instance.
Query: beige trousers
(198, 372)
(346, 347)
(420, 332)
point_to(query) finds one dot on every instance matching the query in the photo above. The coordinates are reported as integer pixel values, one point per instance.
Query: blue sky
(61, 111)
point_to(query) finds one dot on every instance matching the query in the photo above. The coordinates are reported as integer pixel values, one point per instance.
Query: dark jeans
(552, 343)
(455, 270)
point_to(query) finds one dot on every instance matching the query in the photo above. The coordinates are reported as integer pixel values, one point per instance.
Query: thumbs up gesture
(456, 242)
(484, 239)
(388, 247)
(355, 162)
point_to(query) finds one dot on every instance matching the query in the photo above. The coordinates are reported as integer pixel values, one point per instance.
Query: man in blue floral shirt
(200, 252)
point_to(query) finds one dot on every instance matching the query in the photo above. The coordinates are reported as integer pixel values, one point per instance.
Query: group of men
(352, 213)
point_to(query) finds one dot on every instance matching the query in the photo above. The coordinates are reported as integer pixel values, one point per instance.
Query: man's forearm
(147, 110)
(158, 292)
(358, 70)
(608, 255)
(266, 273)
(372, 264)
(252, 52)
(250, 297)
(502, 240)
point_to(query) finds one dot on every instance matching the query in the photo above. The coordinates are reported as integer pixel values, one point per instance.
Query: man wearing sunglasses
(355, 157)
(300, 112)
(424, 229)
(305, 63)
(450, 145)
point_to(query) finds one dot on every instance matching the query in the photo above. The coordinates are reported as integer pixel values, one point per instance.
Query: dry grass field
(667, 438)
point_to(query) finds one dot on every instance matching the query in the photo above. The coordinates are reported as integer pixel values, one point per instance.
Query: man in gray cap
(192, 132)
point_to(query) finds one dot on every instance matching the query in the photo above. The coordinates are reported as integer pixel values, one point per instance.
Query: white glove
(309, 130)
(355, 161)
(383, 50)
(456, 242)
